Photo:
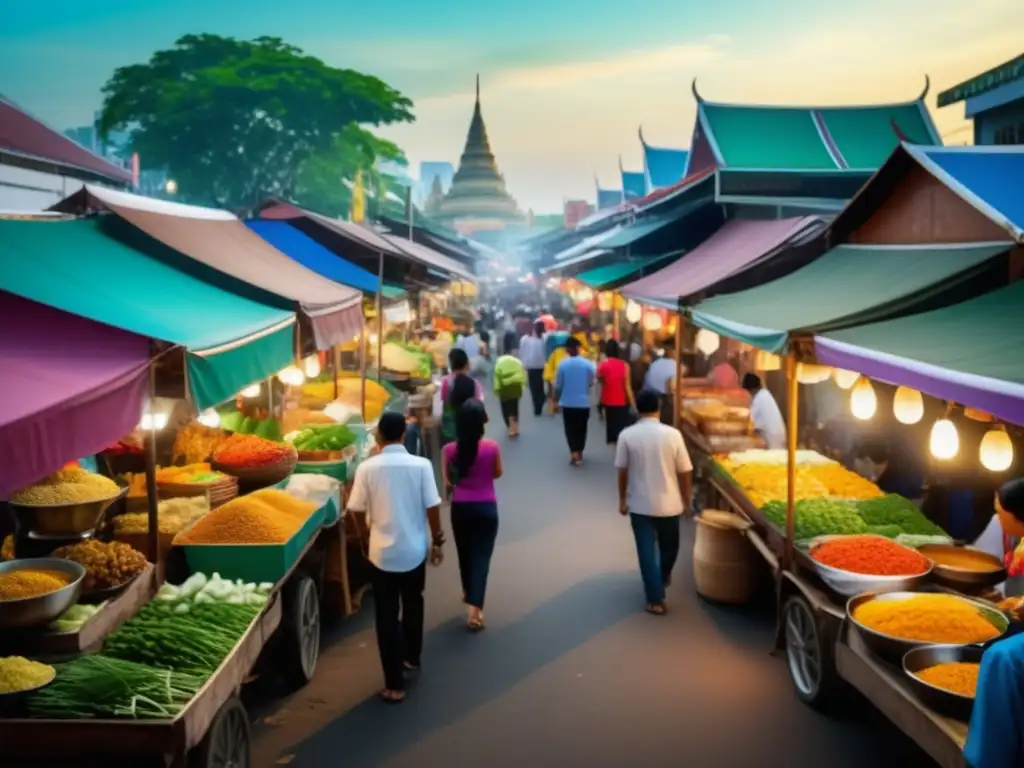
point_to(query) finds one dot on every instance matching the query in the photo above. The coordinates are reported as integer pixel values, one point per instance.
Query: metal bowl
(11, 703)
(894, 648)
(942, 701)
(848, 583)
(963, 578)
(36, 611)
(56, 520)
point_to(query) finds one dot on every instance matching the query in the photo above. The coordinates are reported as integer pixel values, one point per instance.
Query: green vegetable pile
(323, 437)
(235, 421)
(74, 618)
(817, 517)
(100, 686)
(900, 512)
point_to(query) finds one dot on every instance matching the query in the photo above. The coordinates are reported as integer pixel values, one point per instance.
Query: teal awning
(636, 231)
(72, 266)
(624, 271)
(850, 285)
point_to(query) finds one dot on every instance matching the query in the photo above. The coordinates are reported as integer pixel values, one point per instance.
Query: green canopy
(622, 272)
(73, 266)
(850, 285)
(638, 230)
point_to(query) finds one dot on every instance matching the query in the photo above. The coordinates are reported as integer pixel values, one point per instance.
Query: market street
(570, 668)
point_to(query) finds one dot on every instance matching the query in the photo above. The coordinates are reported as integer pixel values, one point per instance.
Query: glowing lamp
(766, 361)
(845, 379)
(153, 421)
(634, 312)
(584, 294)
(996, 452)
(862, 400)
(707, 341)
(209, 418)
(605, 301)
(652, 321)
(808, 373)
(291, 376)
(907, 405)
(311, 366)
(944, 442)
(251, 391)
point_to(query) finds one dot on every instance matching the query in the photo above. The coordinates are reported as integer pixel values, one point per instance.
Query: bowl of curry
(963, 568)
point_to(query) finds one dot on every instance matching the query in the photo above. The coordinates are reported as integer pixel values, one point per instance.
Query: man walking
(573, 380)
(654, 470)
(398, 493)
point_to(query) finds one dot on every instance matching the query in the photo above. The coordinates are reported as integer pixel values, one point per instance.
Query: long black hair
(469, 430)
(462, 389)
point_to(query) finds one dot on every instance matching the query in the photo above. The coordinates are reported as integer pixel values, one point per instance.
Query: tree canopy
(234, 121)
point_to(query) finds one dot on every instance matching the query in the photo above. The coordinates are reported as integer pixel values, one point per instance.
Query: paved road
(570, 670)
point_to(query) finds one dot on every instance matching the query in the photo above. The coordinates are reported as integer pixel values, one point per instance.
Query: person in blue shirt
(573, 380)
(995, 737)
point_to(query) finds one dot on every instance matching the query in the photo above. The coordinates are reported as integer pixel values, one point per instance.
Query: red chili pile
(871, 556)
(249, 451)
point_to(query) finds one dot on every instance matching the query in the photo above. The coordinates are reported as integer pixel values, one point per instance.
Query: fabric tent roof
(613, 275)
(220, 241)
(638, 230)
(310, 254)
(735, 246)
(70, 386)
(968, 352)
(849, 285)
(73, 266)
(428, 257)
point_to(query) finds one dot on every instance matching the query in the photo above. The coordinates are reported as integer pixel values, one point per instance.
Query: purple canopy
(69, 387)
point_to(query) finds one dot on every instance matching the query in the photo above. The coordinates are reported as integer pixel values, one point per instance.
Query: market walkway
(570, 670)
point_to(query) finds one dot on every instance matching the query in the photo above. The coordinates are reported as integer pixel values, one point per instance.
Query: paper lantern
(707, 341)
(766, 361)
(862, 400)
(153, 421)
(652, 321)
(605, 301)
(944, 442)
(907, 405)
(633, 312)
(209, 418)
(251, 391)
(291, 376)
(845, 379)
(311, 366)
(809, 373)
(996, 452)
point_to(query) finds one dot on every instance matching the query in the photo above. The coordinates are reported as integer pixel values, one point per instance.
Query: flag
(358, 199)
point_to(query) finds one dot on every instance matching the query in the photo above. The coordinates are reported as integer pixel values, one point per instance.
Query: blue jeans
(412, 439)
(474, 527)
(657, 548)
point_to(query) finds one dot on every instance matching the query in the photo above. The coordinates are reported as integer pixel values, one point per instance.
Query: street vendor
(765, 415)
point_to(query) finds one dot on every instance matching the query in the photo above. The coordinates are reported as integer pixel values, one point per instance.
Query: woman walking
(616, 392)
(471, 465)
(509, 380)
(531, 352)
(456, 388)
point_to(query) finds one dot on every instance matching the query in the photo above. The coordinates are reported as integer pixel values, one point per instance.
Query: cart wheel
(810, 656)
(301, 629)
(226, 744)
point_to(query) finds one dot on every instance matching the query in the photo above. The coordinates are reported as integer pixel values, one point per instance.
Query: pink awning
(735, 247)
(69, 387)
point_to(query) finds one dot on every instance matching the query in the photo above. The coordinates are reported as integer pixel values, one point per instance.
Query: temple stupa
(478, 198)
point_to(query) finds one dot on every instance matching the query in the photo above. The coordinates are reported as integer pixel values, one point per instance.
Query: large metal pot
(848, 583)
(939, 699)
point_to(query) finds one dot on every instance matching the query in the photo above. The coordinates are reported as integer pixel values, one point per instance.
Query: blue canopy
(664, 167)
(634, 185)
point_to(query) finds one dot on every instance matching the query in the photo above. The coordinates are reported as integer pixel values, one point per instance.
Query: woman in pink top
(470, 466)
(723, 372)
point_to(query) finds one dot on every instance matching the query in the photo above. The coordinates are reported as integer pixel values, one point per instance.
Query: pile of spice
(249, 452)
(959, 677)
(927, 618)
(871, 556)
(269, 516)
(31, 582)
(70, 485)
(107, 564)
(19, 674)
(173, 516)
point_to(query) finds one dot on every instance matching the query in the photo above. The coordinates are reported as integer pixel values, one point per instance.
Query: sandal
(475, 625)
(658, 609)
(389, 696)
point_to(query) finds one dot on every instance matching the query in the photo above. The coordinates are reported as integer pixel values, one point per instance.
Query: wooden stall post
(336, 365)
(677, 395)
(792, 408)
(152, 512)
(362, 365)
(380, 313)
(615, 316)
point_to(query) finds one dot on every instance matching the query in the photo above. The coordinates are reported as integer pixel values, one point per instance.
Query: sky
(566, 84)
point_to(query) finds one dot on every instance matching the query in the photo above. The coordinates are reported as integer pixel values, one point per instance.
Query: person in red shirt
(616, 392)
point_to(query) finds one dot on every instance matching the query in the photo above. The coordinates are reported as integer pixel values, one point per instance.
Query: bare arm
(686, 488)
(499, 470)
(629, 393)
(434, 518)
(623, 484)
(445, 481)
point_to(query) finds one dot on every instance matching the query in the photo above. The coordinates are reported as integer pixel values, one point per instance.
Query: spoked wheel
(226, 744)
(809, 655)
(301, 629)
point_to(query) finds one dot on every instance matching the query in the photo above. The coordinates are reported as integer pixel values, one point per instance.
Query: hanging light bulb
(153, 421)
(845, 379)
(809, 373)
(907, 405)
(209, 418)
(251, 391)
(311, 366)
(291, 376)
(605, 301)
(996, 452)
(633, 312)
(944, 442)
(862, 399)
(652, 321)
(707, 341)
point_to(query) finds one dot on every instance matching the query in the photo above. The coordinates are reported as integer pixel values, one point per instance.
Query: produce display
(7, 550)
(195, 442)
(31, 582)
(870, 555)
(927, 618)
(775, 457)
(269, 516)
(960, 677)
(20, 674)
(332, 437)
(896, 510)
(816, 517)
(240, 424)
(107, 564)
(250, 452)
(199, 589)
(74, 618)
(173, 516)
(764, 483)
(349, 403)
(70, 485)
(296, 419)
(407, 358)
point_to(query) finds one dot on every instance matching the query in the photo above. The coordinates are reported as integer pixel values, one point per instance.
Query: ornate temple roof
(478, 190)
(608, 198)
(634, 183)
(663, 167)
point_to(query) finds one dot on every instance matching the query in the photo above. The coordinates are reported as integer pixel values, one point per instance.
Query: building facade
(994, 100)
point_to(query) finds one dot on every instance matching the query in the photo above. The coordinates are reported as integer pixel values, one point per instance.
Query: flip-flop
(475, 625)
(392, 697)
(656, 609)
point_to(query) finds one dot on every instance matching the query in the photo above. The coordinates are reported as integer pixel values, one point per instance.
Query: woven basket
(260, 477)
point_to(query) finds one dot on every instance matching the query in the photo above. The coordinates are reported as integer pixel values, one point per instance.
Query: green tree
(234, 121)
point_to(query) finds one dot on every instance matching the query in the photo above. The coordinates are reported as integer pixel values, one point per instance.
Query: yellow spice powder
(19, 674)
(18, 585)
(258, 518)
(957, 677)
(927, 618)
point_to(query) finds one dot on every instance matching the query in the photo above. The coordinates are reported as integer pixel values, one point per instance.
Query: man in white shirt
(661, 378)
(764, 413)
(398, 493)
(531, 353)
(655, 487)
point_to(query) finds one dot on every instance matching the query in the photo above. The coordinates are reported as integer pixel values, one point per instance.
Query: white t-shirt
(658, 374)
(470, 345)
(767, 419)
(655, 455)
(531, 352)
(395, 489)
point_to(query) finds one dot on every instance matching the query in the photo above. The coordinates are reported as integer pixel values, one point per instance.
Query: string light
(209, 418)
(707, 341)
(291, 376)
(944, 441)
(633, 312)
(996, 451)
(251, 391)
(907, 405)
(652, 321)
(863, 402)
(845, 379)
(809, 373)
(311, 366)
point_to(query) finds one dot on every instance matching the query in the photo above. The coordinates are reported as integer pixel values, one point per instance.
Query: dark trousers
(657, 548)
(575, 421)
(535, 377)
(398, 605)
(616, 419)
(510, 410)
(475, 527)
